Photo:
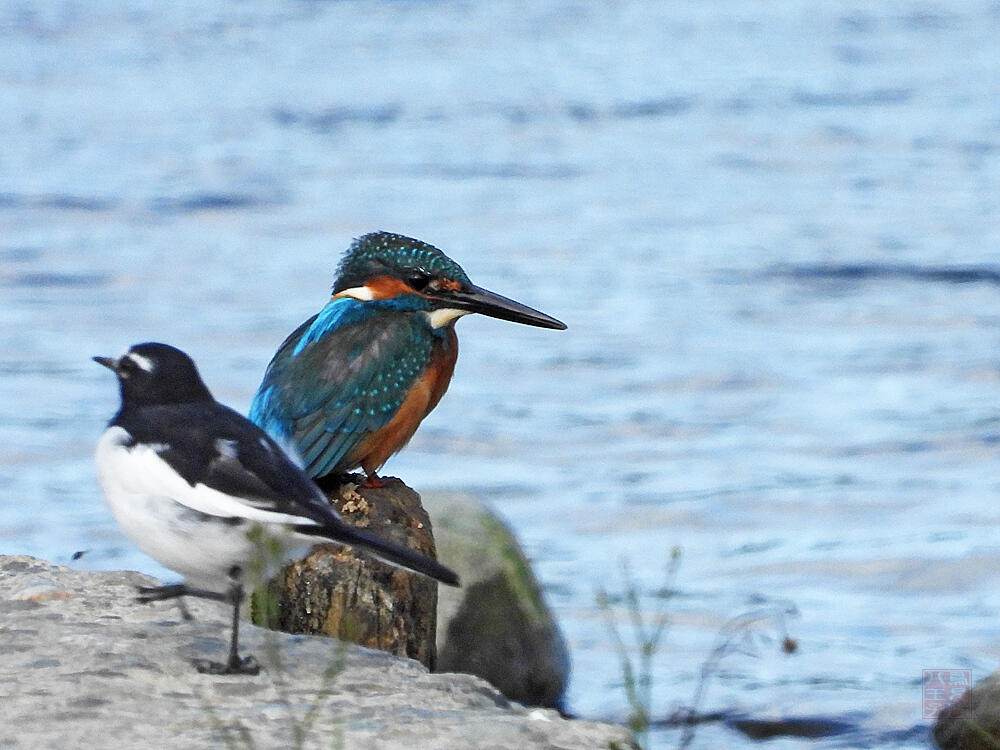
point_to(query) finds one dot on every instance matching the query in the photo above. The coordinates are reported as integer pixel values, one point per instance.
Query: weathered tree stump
(339, 591)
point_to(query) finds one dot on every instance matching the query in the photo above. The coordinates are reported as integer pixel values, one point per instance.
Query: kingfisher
(349, 387)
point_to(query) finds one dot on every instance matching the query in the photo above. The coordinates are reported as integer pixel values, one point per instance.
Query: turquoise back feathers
(341, 377)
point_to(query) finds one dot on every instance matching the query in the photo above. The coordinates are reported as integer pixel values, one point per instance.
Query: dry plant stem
(647, 632)
(736, 636)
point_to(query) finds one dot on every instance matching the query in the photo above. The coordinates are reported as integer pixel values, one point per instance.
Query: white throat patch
(442, 317)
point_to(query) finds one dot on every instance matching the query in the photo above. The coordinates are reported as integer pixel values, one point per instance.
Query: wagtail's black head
(382, 265)
(152, 374)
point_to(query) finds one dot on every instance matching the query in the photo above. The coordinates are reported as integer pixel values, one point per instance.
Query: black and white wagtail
(208, 494)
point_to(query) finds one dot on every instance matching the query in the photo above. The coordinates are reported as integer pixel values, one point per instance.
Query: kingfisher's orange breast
(425, 394)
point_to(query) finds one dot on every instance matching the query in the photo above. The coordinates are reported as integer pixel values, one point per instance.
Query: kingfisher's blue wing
(340, 377)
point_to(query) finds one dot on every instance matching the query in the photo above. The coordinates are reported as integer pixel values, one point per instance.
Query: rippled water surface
(771, 227)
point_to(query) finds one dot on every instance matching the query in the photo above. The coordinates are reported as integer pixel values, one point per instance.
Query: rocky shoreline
(82, 665)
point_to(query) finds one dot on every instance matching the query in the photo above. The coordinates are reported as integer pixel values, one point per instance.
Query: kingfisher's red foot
(373, 482)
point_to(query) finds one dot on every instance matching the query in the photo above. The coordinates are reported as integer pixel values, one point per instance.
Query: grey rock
(497, 626)
(83, 666)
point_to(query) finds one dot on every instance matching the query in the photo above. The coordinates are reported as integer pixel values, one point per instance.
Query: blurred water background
(772, 228)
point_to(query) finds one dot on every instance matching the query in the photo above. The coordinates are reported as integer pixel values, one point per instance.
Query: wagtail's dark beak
(110, 362)
(478, 300)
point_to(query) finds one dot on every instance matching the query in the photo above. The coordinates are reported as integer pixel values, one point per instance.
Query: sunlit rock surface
(82, 665)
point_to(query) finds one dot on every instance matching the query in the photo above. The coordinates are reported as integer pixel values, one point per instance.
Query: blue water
(773, 229)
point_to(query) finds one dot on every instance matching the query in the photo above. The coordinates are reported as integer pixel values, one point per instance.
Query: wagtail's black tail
(383, 549)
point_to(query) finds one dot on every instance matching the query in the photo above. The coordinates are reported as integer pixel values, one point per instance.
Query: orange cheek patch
(386, 287)
(381, 287)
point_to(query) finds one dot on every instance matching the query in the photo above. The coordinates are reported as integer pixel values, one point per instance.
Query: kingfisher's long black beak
(478, 300)
(110, 362)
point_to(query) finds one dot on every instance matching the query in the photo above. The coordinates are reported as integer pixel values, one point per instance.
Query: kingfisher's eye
(418, 281)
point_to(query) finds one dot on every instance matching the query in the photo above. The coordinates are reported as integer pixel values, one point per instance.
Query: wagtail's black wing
(211, 459)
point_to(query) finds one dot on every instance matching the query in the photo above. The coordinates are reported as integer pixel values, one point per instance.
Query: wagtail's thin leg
(149, 594)
(234, 664)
